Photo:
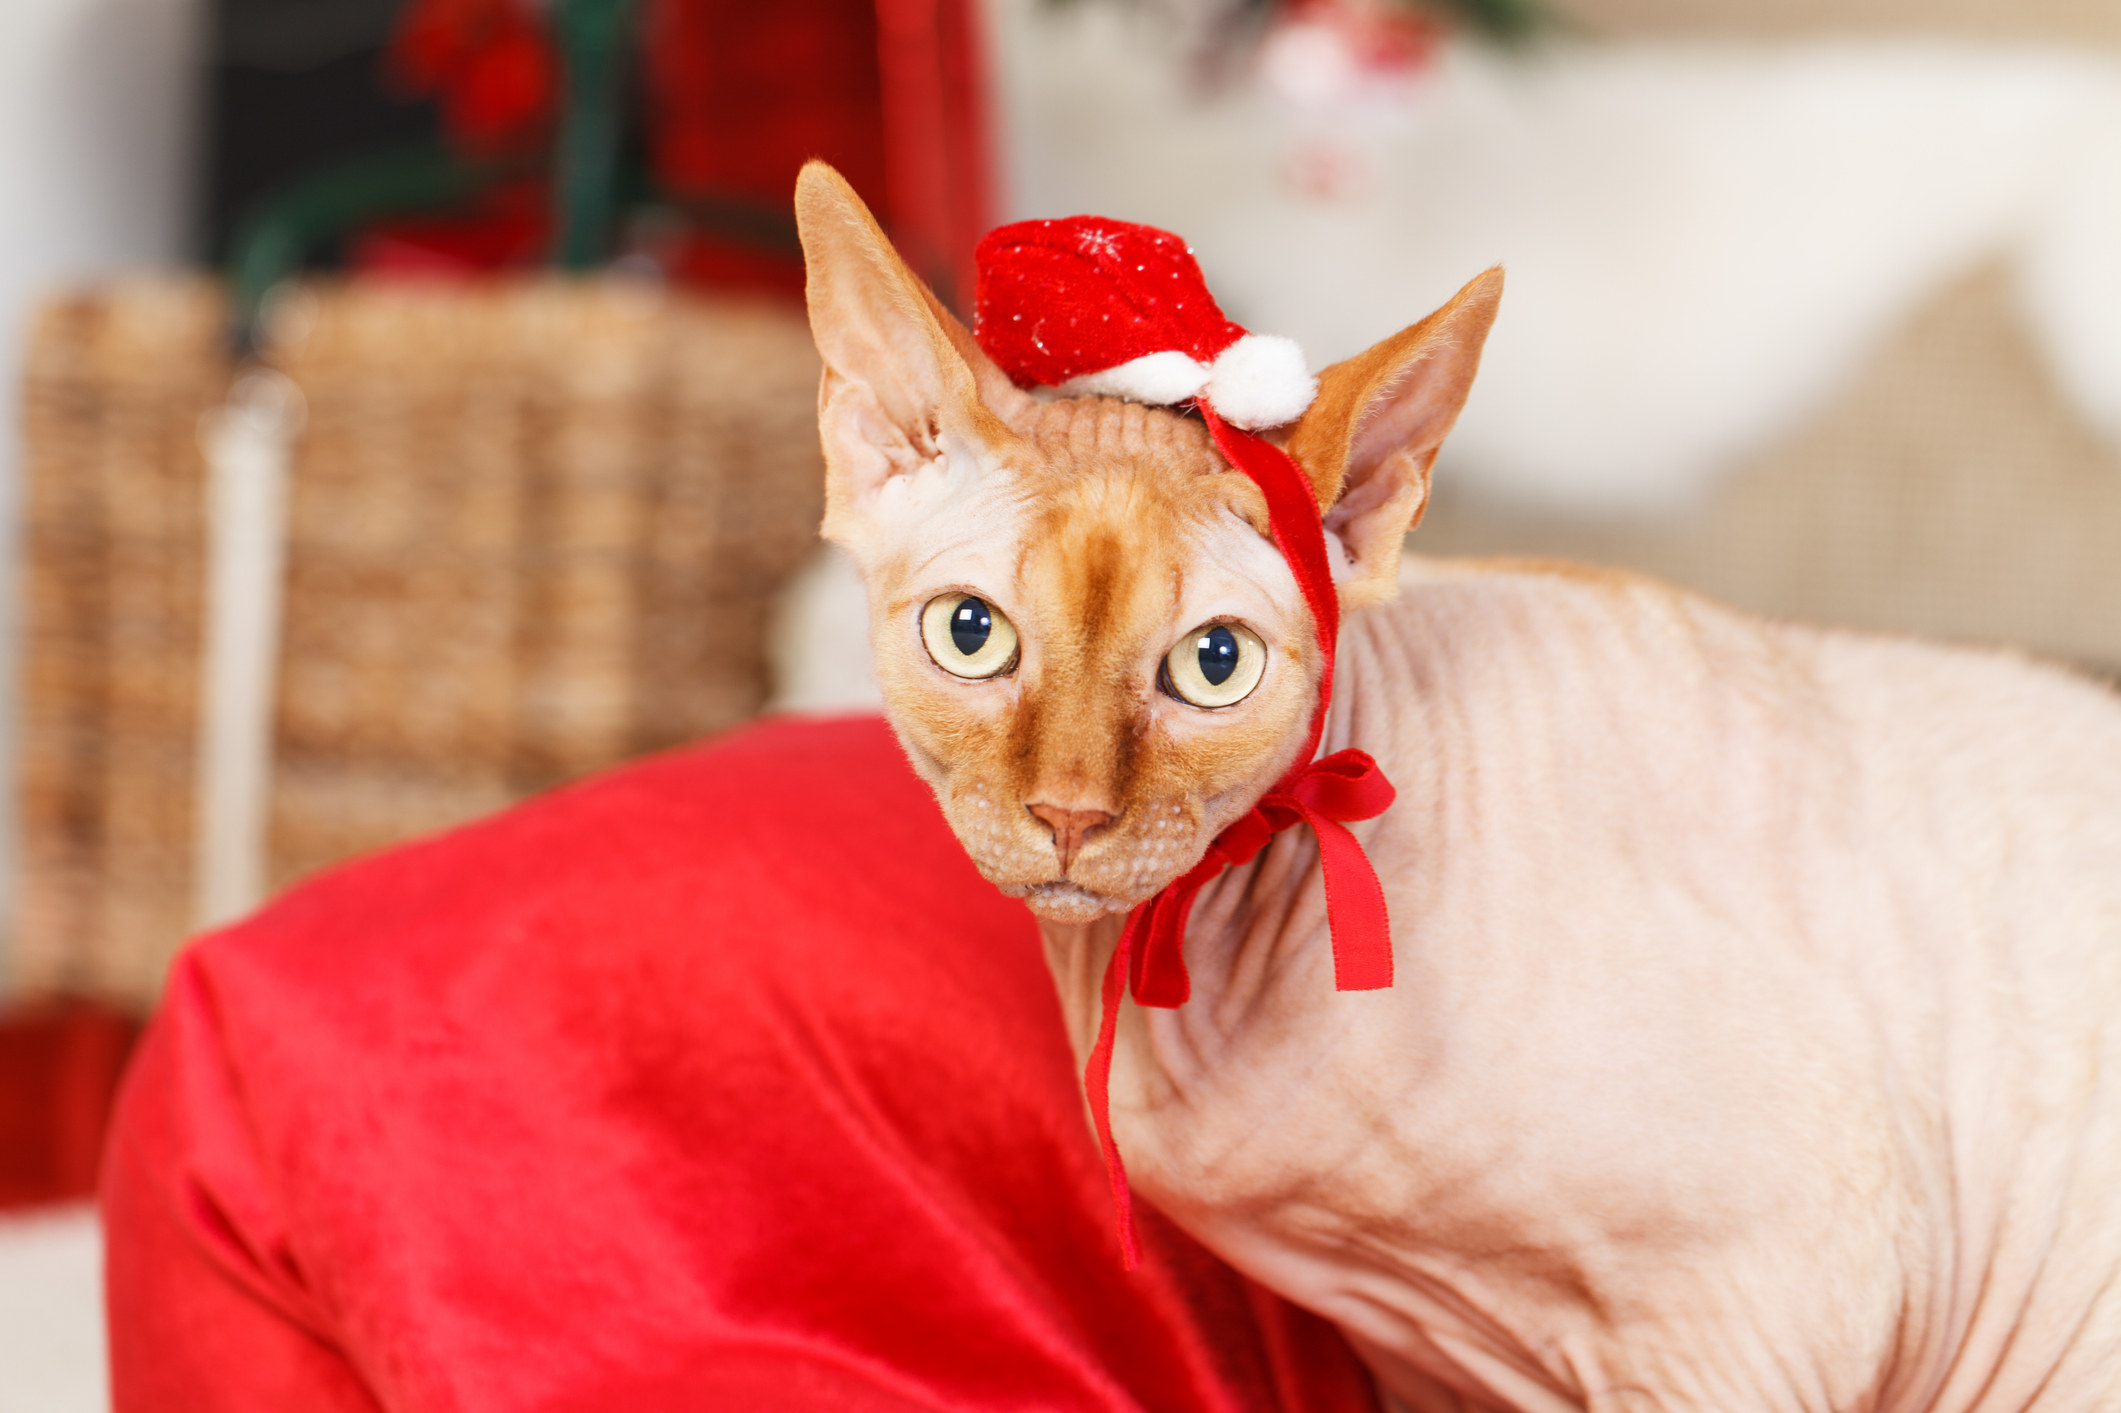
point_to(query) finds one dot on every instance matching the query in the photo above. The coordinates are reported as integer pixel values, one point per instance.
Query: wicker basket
(534, 529)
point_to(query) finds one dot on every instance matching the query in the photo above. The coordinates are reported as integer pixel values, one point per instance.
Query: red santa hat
(1088, 306)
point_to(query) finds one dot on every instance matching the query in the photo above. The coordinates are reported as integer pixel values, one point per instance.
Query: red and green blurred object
(570, 128)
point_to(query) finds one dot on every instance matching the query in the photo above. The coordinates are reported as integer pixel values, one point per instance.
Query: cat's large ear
(1371, 436)
(901, 373)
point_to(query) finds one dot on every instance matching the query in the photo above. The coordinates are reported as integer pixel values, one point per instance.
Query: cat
(1757, 1021)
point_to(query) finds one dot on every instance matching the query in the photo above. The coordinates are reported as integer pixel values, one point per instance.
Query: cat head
(1087, 641)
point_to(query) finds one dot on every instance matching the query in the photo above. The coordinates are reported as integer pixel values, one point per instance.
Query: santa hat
(1089, 306)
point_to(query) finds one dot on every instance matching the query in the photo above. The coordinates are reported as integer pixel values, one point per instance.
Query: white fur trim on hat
(1260, 381)
(1159, 379)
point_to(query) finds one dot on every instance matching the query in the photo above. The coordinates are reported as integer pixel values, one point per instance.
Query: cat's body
(1756, 1033)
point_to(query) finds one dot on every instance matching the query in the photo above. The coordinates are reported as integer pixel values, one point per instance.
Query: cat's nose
(1069, 827)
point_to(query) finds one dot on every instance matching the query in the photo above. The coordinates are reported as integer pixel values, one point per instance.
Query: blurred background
(409, 405)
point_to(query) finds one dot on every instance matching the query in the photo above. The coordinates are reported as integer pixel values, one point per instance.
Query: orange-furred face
(1106, 536)
(1086, 640)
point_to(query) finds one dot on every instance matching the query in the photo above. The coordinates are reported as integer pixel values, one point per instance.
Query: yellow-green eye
(1215, 665)
(967, 636)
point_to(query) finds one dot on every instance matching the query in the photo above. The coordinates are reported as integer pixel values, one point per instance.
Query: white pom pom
(1260, 381)
(1159, 379)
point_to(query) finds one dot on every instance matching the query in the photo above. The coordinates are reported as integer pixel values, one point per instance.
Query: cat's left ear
(1370, 438)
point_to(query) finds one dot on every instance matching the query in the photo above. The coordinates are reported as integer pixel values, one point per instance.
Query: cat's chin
(1069, 902)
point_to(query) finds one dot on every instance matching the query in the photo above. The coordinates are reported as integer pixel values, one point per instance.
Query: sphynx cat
(1756, 1039)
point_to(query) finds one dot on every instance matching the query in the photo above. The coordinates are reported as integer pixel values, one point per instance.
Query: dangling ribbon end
(1364, 973)
(1097, 1085)
(1130, 1252)
(1156, 931)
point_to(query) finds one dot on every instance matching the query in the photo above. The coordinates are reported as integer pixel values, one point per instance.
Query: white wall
(97, 123)
(1704, 240)
(52, 1350)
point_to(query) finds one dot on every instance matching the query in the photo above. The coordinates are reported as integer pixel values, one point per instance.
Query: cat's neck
(1255, 923)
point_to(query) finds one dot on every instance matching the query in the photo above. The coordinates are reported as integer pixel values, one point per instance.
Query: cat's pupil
(971, 623)
(1218, 655)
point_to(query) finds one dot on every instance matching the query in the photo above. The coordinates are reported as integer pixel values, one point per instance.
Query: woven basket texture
(534, 529)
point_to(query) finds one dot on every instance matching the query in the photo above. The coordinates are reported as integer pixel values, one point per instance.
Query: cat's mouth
(1069, 902)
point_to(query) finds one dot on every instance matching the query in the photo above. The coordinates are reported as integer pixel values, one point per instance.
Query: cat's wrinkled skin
(1758, 1020)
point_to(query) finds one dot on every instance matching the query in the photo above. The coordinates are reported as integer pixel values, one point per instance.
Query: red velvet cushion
(722, 1082)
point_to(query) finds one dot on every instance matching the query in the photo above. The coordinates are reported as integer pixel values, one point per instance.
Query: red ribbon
(1325, 794)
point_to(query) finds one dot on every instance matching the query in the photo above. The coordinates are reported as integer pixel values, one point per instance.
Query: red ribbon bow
(1345, 786)
(1325, 794)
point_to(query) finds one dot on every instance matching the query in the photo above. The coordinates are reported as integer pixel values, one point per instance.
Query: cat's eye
(967, 636)
(1215, 665)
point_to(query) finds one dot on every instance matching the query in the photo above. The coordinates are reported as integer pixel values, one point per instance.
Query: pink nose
(1069, 827)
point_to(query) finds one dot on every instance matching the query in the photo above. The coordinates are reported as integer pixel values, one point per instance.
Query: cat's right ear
(902, 375)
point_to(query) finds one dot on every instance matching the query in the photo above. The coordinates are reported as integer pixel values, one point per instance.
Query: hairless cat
(1757, 1018)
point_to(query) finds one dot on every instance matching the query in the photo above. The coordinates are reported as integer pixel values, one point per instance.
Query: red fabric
(890, 92)
(740, 95)
(722, 1082)
(59, 1068)
(1059, 299)
(936, 155)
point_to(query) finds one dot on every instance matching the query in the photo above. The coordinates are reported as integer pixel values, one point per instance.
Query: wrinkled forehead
(1105, 556)
(1133, 520)
(1103, 515)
